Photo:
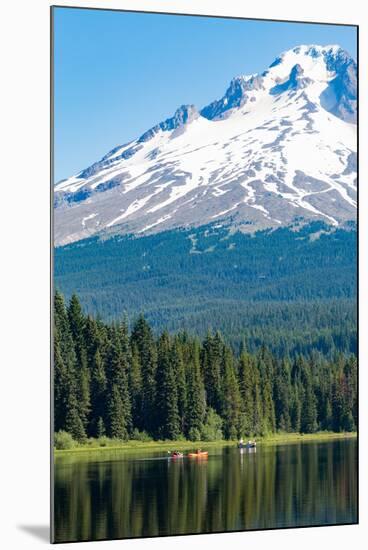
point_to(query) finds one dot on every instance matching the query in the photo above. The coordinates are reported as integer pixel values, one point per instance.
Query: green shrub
(212, 428)
(233, 433)
(63, 440)
(140, 436)
(194, 434)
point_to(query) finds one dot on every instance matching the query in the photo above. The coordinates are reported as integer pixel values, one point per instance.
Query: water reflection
(118, 495)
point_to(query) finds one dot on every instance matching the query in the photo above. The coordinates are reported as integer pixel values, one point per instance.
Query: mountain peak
(244, 166)
(313, 51)
(292, 70)
(185, 114)
(295, 81)
(236, 95)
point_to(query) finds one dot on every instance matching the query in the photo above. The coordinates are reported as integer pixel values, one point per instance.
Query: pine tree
(116, 417)
(98, 391)
(309, 408)
(266, 370)
(142, 339)
(135, 385)
(100, 432)
(60, 385)
(282, 395)
(230, 397)
(179, 370)
(77, 324)
(257, 424)
(167, 395)
(118, 391)
(212, 352)
(246, 368)
(196, 402)
(296, 409)
(77, 327)
(67, 396)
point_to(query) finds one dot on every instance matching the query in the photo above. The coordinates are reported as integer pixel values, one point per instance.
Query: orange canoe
(202, 454)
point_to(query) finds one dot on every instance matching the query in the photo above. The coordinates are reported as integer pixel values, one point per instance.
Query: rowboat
(198, 454)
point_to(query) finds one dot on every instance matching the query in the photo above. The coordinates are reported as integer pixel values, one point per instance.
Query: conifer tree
(77, 326)
(67, 357)
(118, 392)
(179, 370)
(98, 387)
(135, 385)
(282, 395)
(230, 398)
(309, 407)
(258, 423)
(246, 375)
(60, 385)
(211, 364)
(196, 403)
(142, 338)
(100, 432)
(167, 395)
(116, 415)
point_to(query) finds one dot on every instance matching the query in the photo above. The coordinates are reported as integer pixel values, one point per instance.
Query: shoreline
(274, 439)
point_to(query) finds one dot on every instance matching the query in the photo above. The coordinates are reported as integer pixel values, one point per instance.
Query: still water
(118, 494)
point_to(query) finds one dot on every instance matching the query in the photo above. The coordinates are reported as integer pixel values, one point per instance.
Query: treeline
(109, 380)
(294, 279)
(285, 328)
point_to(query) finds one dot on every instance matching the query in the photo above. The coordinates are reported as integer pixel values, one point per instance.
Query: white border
(24, 303)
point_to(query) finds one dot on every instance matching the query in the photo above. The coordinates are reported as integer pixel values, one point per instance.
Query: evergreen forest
(292, 290)
(131, 382)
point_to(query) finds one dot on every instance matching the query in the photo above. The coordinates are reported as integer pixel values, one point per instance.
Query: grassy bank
(106, 444)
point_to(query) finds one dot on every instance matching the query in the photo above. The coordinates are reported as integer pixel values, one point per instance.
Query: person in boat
(241, 442)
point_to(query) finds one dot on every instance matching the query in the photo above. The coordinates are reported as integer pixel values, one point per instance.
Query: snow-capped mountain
(278, 145)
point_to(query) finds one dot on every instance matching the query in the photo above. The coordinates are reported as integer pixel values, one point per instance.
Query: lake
(119, 494)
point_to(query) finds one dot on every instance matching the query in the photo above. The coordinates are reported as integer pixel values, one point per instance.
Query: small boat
(176, 454)
(248, 445)
(198, 454)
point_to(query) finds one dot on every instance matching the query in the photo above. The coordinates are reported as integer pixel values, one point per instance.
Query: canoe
(202, 454)
(178, 455)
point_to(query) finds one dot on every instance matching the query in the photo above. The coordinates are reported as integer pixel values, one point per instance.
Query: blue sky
(118, 73)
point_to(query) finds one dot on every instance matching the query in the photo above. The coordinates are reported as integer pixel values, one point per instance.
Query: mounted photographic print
(204, 228)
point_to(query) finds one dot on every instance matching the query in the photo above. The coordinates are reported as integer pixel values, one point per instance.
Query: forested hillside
(128, 383)
(292, 290)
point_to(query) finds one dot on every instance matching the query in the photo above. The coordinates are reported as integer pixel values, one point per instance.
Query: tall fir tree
(116, 415)
(142, 339)
(66, 356)
(212, 353)
(246, 377)
(77, 327)
(168, 422)
(179, 370)
(118, 391)
(196, 403)
(230, 397)
(282, 395)
(135, 386)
